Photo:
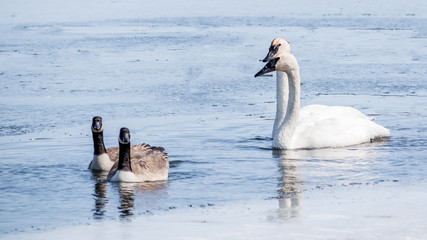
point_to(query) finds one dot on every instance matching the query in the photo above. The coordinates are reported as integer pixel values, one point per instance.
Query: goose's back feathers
(113, 153)
(148, 163)
(334, 126)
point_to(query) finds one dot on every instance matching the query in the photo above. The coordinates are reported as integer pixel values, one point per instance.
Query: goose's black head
(124, 137)
(97, 124)
(269, 67)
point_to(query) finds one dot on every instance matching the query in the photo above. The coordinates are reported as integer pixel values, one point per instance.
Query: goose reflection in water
(148, 191)
(100, 194)
(290, 185)
(127, 199)
(129, 193)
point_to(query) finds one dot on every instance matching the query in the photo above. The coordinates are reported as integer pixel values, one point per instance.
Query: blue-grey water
(186, 83)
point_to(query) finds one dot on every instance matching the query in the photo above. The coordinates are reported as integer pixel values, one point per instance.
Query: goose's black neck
(124, 157)
(98, 143)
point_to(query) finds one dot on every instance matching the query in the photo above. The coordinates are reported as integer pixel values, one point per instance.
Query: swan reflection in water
(290, 185)
(322, 167)
(127, 192)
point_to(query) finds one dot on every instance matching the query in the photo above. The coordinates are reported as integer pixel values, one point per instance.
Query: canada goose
(103, 159)
(145, 163)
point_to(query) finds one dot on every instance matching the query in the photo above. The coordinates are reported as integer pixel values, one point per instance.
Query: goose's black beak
(271, 52)
(269, 67)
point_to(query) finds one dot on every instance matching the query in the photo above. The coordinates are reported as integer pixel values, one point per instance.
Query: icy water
(184, 81)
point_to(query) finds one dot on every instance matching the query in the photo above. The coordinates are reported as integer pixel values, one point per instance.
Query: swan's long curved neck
(282, 135)
(282, 94)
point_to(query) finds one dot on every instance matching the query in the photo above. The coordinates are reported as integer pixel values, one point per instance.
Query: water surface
(186, 83)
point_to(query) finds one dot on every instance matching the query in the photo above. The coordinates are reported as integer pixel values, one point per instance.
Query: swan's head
(124, 137)
(284, 62)
(278, 46)
(97, 124)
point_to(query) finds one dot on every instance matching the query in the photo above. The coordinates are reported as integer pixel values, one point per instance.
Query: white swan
(145, 164)
(313, 126)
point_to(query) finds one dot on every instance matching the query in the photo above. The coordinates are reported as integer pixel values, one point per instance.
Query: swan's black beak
(124, 136)
(269, 67)
(271, 52)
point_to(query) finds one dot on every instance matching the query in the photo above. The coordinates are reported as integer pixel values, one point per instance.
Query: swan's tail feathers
(382, 134)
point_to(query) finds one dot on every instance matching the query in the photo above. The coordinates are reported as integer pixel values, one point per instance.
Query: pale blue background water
(186, 82)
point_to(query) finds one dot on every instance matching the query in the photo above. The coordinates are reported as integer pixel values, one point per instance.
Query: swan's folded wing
(319, 112)
(335, 126)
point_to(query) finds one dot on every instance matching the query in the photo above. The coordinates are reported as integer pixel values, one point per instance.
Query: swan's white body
(321, 126)
(314, 126)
